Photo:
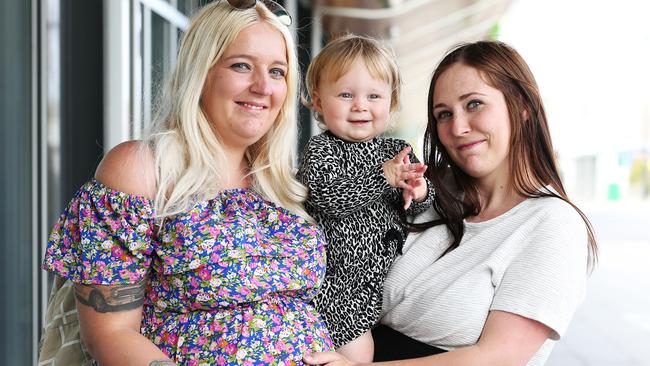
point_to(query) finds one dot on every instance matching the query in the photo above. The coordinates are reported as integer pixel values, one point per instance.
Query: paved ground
(612, 327)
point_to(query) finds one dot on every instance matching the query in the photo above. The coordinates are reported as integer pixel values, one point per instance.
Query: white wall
(590, 58)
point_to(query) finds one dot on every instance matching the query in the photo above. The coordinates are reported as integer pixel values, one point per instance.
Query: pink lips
(252, 105)
(469, 145)
(359, 121)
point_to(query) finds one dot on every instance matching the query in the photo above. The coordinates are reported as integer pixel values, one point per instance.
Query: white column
(117, 72)
(316, 45)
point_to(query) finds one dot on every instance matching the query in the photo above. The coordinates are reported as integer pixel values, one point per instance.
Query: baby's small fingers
(408, 198)
(402, 154)
(403, 184)
(417, 167)
(407, 203)
(411, 175)
(407, 159)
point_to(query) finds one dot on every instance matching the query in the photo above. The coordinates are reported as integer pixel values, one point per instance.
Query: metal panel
(17, 189)
(38, 165)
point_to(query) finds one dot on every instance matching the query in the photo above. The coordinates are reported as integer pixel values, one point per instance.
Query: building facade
(80, 76)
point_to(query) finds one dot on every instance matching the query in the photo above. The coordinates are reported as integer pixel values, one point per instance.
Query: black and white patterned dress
(359, 212)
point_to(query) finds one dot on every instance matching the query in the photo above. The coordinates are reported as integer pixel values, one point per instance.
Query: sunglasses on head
(274, 7)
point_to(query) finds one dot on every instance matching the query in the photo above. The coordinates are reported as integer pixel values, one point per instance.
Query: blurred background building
(79, 76)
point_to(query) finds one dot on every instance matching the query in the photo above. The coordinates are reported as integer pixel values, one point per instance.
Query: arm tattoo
(106, 299)
(162, 363)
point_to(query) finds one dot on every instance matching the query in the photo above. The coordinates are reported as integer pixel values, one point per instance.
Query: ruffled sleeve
(103, 237)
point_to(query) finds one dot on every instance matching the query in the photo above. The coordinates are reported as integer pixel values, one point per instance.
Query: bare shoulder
(129, 167)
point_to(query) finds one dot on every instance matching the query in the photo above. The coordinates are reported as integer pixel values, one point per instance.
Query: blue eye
(346, 95)
(443, 115)
(473, 104)
(240, 66)
(374, 96)
(277, 73)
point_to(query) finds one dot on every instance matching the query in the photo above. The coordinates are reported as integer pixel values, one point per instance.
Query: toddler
(361, 185)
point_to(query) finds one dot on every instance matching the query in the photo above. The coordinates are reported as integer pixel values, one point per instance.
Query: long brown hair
(532, 162)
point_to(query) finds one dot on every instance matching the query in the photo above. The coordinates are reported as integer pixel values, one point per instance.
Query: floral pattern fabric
(230, 281)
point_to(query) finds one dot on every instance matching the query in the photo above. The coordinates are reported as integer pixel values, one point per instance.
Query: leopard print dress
(359, 213)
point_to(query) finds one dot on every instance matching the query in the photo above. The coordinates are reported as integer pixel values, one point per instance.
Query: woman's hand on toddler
(326, 358)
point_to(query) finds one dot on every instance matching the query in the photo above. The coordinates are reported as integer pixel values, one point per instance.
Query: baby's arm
(332, 190)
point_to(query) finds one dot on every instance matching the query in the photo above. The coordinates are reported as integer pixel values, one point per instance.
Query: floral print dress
(229, 281)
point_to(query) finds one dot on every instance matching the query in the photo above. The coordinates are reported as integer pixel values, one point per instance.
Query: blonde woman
(192, 247)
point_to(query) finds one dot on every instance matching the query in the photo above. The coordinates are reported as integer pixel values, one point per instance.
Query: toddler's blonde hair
(336, 59)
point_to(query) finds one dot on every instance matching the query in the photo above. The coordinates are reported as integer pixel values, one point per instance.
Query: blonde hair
(337, 57)
(189, 157)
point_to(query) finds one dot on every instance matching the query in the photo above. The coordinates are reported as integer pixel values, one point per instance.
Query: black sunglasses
(274, 7)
